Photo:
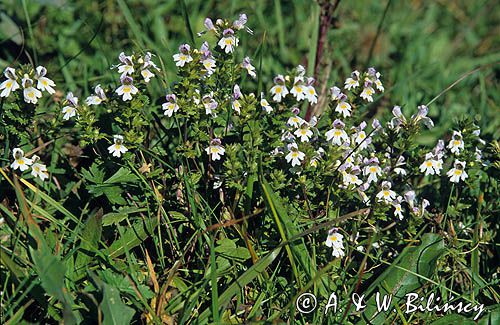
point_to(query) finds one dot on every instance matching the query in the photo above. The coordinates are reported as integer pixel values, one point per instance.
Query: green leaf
(89, 244)
(407, 274)
(122, 214)
(115, 312)
(123, 175)
(132, 237)
(227, 248)
(51, 271)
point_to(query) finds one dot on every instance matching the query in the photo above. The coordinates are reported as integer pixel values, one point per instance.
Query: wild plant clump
(212, 167)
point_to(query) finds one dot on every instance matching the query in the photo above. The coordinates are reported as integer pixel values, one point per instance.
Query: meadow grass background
(420, 47)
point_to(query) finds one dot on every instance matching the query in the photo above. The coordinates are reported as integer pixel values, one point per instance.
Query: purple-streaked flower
(44, 83)
(457, 173)
(127, 89)
(10, 84)
(98, 97)
(183, 56)
(279, 89)
(215, 150)
(337, 135)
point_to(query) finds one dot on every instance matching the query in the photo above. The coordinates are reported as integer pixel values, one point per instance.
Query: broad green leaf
(227, 248)
(116, 217)
(123, 175)
(89, 244)
(405, 275)
(132, 237)
(114, 311)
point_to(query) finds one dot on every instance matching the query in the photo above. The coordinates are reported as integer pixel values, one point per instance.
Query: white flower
(44, 83)
(368, 91)
(350, 179)
(310, 92)
(337, 135)
(304, 132)
(39, 169)
(295, 121)
(456, 143)
(378, 83)
(146, 64)
(117, 148)
(10, 84)
(127, 89)
(249, 67)
(335, 241)
(127, 66)
(209, 103)
(457, 173)
(170, 107)
(294, 155)
(427, 166)
(181, 59)
(98, 98)
(209, 65)
(20, 161)
(343, 108)
(298, 89)
(279, 90)
(228, 42)
(386, 194)
(265, 104)
(236, 105)
(353, 81)
(147, 75)
(70, 109)
(215, 149)
(31, 94)
(401, 162)
(372, 170)
(398, 211)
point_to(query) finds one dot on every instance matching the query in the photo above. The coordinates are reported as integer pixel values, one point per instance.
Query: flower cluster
(33, 82)
(134, 67)
(22, 163)
(298, 85)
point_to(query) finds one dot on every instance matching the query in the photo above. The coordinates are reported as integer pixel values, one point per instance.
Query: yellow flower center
(20, 161)
(8, 84)
(312, 91)
(333, 238)
(362, 135)
(228, 41)
(373, 169)
(298, 89)
(295, 154)
(337, 133)
(456, 142)
(117, 146)
(37, 169)
(126, 89)
(428, 163)
(386, 193)
(278, 90)
(458, 172)
(44, 82)
(369, 92)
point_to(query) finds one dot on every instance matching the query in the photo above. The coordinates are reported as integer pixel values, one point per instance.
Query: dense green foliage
(167, 232)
